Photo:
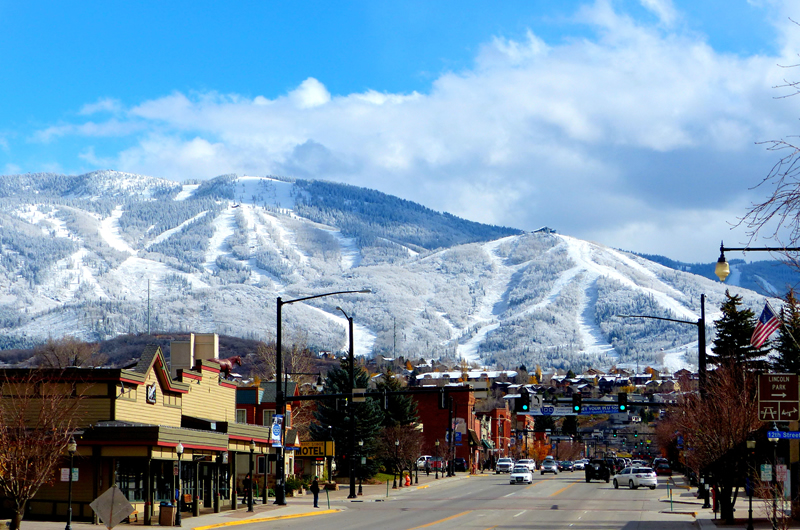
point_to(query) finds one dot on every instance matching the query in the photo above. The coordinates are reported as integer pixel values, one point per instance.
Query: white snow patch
(186, 191)
(264, 191)
(351, 255)
(363, 338)
(167, 233)
(109, 231)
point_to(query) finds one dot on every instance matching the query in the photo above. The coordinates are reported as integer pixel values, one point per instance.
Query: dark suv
(598, 469)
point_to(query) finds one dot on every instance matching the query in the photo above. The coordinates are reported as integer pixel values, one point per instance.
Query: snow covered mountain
(98, 255)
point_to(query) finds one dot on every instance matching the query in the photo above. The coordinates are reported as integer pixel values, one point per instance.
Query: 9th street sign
(778, 397)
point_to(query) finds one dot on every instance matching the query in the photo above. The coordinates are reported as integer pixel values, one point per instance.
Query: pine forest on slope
(81, 253)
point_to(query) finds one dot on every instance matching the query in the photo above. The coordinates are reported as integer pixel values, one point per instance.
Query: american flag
(767, 324)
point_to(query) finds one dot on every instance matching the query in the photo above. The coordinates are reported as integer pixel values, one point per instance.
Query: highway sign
(549, 410)
(566, 410)
(778, 397)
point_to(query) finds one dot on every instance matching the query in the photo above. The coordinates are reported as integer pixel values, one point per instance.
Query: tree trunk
(725, 504)
(19, 512)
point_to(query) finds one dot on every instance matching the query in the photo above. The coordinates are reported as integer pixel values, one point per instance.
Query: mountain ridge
(83, 255)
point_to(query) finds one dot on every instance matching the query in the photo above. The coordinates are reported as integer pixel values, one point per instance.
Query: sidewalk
(302, 506)
(684, 500)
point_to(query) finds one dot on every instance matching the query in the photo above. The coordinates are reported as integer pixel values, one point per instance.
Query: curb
(693, 514)
(264, 519)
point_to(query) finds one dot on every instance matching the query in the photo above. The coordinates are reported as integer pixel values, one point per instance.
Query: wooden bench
(135, 515)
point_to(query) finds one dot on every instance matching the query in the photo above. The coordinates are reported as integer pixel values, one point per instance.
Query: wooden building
(130, 423)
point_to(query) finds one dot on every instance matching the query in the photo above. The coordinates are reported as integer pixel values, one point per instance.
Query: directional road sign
(778, 397)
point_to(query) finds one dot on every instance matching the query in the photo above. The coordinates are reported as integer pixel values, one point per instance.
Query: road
(485, 502)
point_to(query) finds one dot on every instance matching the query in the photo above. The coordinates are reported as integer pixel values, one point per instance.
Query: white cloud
(311, 93)
(632, 138)
(663, 9)
(102, 105)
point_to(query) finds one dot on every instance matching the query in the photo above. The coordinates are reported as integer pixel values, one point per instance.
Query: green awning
(488, 444)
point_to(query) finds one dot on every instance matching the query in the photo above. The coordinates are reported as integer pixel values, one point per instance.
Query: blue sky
(630, 123)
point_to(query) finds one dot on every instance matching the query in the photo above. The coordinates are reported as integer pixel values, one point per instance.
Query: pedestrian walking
(315, 491)
(427, 468)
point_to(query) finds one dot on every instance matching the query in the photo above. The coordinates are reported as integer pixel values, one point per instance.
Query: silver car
(549, 466)
(634, 477)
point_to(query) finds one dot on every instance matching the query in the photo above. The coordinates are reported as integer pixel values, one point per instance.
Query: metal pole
(701, 346)
(69, 496)
(280, 406)
(775, 486)
(352, 410)
(394, 484)
(250, 486)
(179, 451)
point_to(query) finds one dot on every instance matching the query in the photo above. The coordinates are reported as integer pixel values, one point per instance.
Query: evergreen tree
(734, 331)
(569, 425)
(402, 410)
(333, 419)
(788, 359)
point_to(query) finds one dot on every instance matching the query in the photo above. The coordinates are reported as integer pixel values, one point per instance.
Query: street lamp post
(436, 467)
(179, 451)
(280, 399)
(351, 362)
(360, 464)
(72, 446)
(250, 486)
(396, 446)
(751, 446)
(701, 338)
(774, 479)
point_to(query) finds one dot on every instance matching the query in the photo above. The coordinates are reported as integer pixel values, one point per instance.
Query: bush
(293, 484)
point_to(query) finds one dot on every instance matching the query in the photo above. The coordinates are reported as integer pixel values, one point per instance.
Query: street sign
(549, 410)
(781, 472)
(65, 474)
(784, 435)
(766, 472)
(778, 397)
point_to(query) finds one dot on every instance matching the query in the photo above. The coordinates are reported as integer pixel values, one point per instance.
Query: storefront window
(130, 478)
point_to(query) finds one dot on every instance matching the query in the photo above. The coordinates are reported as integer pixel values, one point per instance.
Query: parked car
(664, 469)
(565, 465)
(527, 462)
(504, 465)
(549, 466)
(437, 462)
(598, 469)
(635, 477)
(460, 464)
(521, 475)
(421, 461)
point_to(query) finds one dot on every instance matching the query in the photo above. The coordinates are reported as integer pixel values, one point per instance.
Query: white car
(521, 475)
(527, 462)
(504, 465)
(579, 464)
(421, 461)
(634, 477)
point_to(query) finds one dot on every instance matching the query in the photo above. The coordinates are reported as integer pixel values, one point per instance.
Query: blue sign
(784, 435)
(599, 409)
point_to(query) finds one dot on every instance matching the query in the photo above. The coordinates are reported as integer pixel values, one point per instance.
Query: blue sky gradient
(631, 123)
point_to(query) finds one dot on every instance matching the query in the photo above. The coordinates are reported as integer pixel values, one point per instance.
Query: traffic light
(442, 399)
(576, 402)
(636, 435)
(614, 432)
(622, 402)
(385, 400)
(523, 402)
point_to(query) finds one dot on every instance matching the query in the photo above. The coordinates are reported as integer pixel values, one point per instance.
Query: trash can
(166, 514)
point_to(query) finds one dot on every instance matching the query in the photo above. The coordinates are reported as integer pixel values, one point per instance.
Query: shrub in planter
(293, 484)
